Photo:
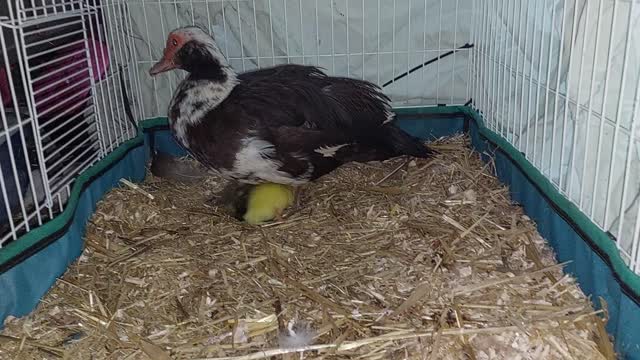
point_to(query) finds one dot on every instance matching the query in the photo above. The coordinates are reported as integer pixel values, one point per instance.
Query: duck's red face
(169, 59)
(191, 49)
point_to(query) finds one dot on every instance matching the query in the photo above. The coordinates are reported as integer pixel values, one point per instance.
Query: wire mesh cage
(558, 79)
(60, 102)
(550, 87)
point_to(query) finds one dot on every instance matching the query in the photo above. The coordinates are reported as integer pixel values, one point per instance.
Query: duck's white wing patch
(390, 117)
(330, 151)
(255, 162)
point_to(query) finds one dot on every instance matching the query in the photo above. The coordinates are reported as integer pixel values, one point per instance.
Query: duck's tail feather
(404, 144)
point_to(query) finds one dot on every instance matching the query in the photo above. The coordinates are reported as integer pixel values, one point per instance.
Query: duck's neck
(212, 69)
(210, 82)
(202, 91)
(211, 86)
(196, 97)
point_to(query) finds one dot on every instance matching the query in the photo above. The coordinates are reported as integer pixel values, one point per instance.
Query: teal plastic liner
(23, 285)
(594, 259)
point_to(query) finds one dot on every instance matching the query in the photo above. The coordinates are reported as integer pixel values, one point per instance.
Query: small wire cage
(62, 107)
(558, 79)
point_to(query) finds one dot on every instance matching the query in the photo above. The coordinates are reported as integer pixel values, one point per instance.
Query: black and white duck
(288, 124)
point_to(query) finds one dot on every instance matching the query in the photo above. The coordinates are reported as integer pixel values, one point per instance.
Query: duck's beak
(165, 64)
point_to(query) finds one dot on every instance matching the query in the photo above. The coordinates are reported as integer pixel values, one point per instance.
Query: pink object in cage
(61, 84)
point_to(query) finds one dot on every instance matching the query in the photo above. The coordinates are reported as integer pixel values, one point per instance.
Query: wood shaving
(427, 259)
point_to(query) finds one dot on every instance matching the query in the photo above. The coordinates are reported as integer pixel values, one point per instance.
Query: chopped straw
(424, 259)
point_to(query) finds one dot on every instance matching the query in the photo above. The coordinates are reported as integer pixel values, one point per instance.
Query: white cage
(62, 107)
(558, 79)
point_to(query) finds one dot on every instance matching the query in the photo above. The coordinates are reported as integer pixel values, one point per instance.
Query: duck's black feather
(319, 101)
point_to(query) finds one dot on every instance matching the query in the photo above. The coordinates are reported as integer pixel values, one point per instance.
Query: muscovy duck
(288, 124)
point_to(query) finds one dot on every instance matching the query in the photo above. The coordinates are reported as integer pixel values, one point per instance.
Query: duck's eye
(174, 42)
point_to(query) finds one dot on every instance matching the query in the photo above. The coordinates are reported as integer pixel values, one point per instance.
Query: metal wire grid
(34, 11)
(558, 102)
(374, 40)
(60, 117)
(113, 27)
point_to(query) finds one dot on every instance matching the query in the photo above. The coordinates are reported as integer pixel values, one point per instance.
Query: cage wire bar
(62, 104)
(555, 78)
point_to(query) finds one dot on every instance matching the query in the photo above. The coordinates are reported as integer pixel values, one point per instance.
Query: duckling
(266, 202)
(255, 204)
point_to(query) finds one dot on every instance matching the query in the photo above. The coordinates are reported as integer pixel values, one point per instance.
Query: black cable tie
(430, 61)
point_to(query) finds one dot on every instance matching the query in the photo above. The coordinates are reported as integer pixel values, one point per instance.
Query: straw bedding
(401, 259)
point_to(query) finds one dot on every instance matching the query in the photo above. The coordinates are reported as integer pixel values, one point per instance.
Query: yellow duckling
(267, 201)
